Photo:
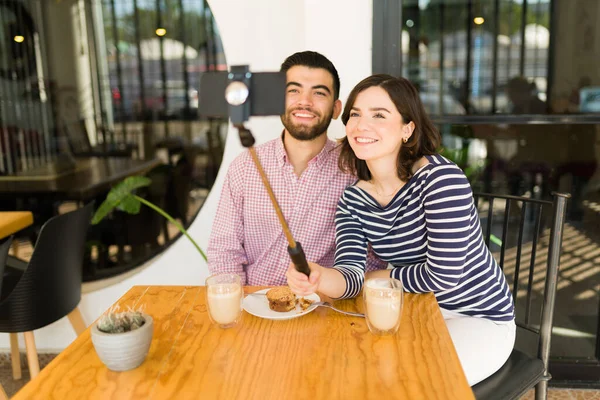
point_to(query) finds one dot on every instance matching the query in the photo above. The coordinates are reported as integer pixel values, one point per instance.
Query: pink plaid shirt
(246, 236)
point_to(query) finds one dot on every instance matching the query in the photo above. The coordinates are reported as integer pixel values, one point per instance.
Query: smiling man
(302, 167)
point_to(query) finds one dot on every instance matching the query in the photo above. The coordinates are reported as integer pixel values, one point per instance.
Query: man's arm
(225, 250)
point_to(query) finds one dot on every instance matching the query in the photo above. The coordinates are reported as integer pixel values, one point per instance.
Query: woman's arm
(351, 244)
(346, 278)
(448, 203)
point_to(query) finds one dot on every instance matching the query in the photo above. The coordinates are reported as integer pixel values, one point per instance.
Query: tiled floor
(567, 394)
(10, 385)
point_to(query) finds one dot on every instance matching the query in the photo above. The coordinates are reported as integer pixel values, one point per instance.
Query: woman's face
(375, 128)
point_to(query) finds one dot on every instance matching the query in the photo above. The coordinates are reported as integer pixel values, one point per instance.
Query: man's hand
(301, 284)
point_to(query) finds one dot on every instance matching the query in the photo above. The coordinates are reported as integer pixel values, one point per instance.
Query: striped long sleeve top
(430, 232)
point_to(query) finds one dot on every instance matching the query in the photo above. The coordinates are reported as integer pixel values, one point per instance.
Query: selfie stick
(237, 94)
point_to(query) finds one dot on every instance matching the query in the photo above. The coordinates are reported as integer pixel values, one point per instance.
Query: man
(302, 168)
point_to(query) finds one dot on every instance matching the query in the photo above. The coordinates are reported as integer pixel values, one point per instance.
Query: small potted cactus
(122, 339)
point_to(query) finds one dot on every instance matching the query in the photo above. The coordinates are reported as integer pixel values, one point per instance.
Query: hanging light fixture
(160, 31)
(19, 38)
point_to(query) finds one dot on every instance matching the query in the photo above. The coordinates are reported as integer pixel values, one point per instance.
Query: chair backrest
(77, 136)
(50, 287)
(181, 183)
(4, 247)
(525, 236)
(145, 227)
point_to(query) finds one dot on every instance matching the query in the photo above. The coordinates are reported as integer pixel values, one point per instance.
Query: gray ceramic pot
(123, 351)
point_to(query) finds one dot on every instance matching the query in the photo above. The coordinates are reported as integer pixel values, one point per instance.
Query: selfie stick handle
(294, 248)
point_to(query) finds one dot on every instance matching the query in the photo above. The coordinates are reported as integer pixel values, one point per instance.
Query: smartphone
(266, 94)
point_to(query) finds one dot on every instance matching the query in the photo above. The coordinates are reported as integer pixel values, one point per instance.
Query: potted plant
(122, 339)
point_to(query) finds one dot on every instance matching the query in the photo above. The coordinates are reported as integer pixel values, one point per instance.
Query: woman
(415, 209)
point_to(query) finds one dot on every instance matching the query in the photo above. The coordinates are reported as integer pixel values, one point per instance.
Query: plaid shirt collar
(319, 159)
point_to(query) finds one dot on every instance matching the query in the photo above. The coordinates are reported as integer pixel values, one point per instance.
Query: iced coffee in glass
(383, 305)
(224, 299)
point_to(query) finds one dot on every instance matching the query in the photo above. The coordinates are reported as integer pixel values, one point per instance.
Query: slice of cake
(281, 299)
(304, 303)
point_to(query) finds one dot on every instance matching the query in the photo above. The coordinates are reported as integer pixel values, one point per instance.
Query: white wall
(261, 33)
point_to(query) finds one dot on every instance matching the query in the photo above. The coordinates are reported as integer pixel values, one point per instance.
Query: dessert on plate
(281, 299)
(304, 303)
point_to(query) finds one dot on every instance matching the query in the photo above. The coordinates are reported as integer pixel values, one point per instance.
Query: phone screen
(267, 94)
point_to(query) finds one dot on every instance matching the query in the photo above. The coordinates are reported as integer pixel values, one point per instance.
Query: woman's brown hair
(424, 140)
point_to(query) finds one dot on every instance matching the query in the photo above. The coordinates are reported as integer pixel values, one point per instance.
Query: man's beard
(304, 132)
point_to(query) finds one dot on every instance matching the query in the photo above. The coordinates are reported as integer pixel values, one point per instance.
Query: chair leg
(77, 321)
(15, 356)
(541, 390)
(3, 395)
(32, 356)
(15, 248)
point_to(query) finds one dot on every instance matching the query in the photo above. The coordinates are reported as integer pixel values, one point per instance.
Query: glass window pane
(478, 56)
(524, 160)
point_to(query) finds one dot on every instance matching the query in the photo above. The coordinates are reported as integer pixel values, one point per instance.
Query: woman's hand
(301, 284)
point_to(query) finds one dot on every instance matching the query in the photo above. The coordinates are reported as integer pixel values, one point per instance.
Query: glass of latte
(383, 305)
(224, 299)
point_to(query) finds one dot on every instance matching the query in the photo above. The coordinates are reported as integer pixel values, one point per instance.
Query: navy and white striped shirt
(431, 233)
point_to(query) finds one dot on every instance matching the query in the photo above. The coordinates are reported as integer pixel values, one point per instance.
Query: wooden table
(13, 221)
(81, 181)
(321, 355)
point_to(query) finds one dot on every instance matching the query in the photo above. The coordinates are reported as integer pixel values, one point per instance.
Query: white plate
(259, 306)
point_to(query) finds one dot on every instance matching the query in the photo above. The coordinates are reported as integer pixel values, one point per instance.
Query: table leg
(15, 248)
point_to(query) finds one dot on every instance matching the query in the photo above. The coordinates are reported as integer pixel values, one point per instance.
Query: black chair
(4, 248)
(528, 240)
(178, 198)
(139, 232)
(143, 229)
(16, 358)
(37, 293)
(80, 146)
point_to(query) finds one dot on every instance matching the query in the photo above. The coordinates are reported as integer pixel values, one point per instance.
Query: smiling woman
(387, 110)
(423, 222)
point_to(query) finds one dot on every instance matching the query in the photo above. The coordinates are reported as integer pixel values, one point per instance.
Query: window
(156, 51)
(478, 57)
(514, 87)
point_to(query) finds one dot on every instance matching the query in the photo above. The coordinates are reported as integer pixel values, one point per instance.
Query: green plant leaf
(126, 188)
(130, 205)
(494, 239)
(105, 208)
(118, 194)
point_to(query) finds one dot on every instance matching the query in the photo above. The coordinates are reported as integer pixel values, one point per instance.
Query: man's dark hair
(312, 59)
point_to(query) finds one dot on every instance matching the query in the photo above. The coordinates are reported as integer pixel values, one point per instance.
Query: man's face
(309, 102)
